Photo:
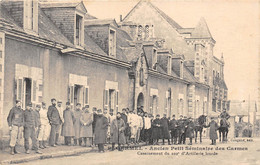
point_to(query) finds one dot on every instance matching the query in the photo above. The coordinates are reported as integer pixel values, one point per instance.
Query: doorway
(140, 100)
(111, 103)
(78, 94)
(28, 91)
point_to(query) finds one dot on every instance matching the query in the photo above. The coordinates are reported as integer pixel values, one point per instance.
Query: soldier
(147, 128)
(185, 123)
(86, 120)
(15, 123)
(77, 114)
(181, 129)
(139, 127)
(224, 114)
(45, 127)
(117, 132)
(165, 129)
(55, 121)
(127, 131)
(94, 112)
(213, 131)
(38, 123)
(29, 129)
(190, 130)
(60, 109)
(156, 129)
(173, 129)
(67, 126)
(100, 130)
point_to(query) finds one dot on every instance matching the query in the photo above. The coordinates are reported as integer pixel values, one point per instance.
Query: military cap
(53, 99)
(59, 101)
(43, 103)
(29, 104)
(86, 106)
(67, 103)
(78, 104)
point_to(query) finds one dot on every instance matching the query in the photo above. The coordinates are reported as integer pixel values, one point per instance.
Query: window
(140, 32)
(146, 32)
(30, 15)
(0, 82)
(181, 69)
(169, 66)
(1, 67)
(154, 60)
(1, 54)
(40, 87)
(112, 43)
(79, 31)
(1, 41)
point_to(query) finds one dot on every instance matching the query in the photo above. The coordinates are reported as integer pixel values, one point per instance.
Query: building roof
(185, 30)
(91, 46)
(64, 4)
(100, 22)
(89, 16)
(201, 30)
(174, 24)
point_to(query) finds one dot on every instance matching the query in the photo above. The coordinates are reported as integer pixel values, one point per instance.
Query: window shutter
(105, 99)
(86, 96)
(19, 89)
(33, 91)
(166, 106)
(157, 110)
(151, 104)
(71, 94)
(116, 100)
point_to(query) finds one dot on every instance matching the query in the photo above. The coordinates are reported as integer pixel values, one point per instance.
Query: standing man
(29, 129)
(55, 121)
(173, 129)
(86, 120)
(67, 126)
(60, 109)
(165, 129)
(190, 130)
(156, 130)
(38, 123)
(94, 112)
(133, 123)
(15, 123)
(45, 127)
(181, 129)
(117, 132)
(127, 131)
(147, 128)
(77, 114)
(140, 126)
(100, 132)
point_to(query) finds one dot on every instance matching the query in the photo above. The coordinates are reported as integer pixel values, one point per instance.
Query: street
(239, 152)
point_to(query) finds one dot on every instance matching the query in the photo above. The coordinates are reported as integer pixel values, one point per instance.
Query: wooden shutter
(151, 104)
(157, 110)
(86, 95)
(166, 106)
(33, 91)
(116, 100)
(19, 89)
(71, 94)
(105, 99)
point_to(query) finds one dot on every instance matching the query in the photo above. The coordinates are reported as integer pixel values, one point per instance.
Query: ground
(132, 157)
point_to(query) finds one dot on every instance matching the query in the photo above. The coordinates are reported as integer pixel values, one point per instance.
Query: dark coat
(53, 115)
(190, 129)
(15, 117)
(165, 128)
(117, 128)
(213, 127)
(173, 124)
(156, 129)
(180, 126)
(127, 128)
(100, 131)
(29, 118)
(37, 118)
(86, 130)
(94, 122)
(67, 126)
(77, 114)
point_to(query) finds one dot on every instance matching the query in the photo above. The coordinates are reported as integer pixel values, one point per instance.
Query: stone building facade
(58, 50)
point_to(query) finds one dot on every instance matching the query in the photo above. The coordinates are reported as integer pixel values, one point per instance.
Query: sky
(233, 24)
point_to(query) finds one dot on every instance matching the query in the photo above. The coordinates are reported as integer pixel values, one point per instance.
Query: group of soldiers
(44, 126)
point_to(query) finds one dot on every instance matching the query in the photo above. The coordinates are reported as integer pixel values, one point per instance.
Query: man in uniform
(29, 129)
(60, 109)
(165, 128)
(181, 129)
(173, 129)
(15, 123)
(224, 114)
(55, 121)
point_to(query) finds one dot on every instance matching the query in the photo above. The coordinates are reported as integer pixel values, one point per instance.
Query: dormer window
(154, 59)
(181, 69)
(169, 66)
(30, 17)
(112, 43)
(79, 33)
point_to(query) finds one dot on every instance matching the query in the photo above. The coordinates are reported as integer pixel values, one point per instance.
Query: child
(213, 127)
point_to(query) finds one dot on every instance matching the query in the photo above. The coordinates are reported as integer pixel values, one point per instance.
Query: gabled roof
(100, 22)
(187, 75)
(78, 5)
(201, 30)
(174, 24)
(185, 30)
(89, 16)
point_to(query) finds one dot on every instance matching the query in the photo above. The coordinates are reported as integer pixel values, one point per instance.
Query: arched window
(140, 32)
(146, 31)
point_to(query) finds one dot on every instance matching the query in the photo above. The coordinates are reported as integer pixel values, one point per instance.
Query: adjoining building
(58, 50)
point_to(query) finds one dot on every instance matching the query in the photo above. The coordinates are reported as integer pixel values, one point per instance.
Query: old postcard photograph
(131, 82)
